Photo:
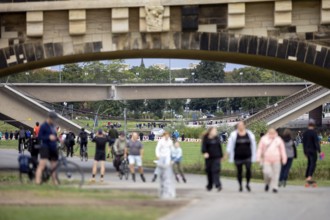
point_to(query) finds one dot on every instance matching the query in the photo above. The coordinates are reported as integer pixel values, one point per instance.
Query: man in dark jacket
(83, 140)
(69, 143)
(48, 150)
(311, 145)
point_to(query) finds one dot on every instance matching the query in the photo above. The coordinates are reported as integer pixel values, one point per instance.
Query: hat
(100, 131)
(52, 115)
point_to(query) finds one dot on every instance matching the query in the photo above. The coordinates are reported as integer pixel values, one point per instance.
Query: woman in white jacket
(241, 148)
(163, 153)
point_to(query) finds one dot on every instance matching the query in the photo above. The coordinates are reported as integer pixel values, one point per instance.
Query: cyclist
(100, 141)
(21, 139)
(119, 150)
(113, 135)
(135, 148)
(48, 150)
(83, 140)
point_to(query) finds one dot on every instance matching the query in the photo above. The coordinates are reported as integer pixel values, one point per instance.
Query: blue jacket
(45, 131)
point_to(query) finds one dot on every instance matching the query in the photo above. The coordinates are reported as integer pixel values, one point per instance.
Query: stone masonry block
(77, 15)
(34, 16)
(283, 18)
(120, 20)
(236, 8)
(211, 28)
(120, 25)
(236, 20)
(325, 4)
(325, 16)
(77, 27)
(307, 28)
(120, 13)
(34, 29)
(283, 5)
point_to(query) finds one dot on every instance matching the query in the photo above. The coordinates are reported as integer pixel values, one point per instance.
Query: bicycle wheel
(69, 174)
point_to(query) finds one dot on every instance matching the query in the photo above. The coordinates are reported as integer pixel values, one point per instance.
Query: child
(176, 160)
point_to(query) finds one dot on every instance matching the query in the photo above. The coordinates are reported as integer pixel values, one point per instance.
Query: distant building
(192, 65)
(161, 66)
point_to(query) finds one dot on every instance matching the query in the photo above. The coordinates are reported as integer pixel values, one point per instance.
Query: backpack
(83, 137)
(24, 162)
(27, 134)
(69, 140)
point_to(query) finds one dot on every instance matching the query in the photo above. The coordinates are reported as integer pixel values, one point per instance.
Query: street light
(241, 74)
(193, 76)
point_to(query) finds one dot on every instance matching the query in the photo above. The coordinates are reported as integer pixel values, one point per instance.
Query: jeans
(82, 145)
(239, 167)
(178, 169)
(212, 167)
(285, 170)
(311, 164)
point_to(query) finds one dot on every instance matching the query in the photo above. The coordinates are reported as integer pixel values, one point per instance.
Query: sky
(175, 63)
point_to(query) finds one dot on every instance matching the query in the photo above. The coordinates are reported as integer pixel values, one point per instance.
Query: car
(210, 116)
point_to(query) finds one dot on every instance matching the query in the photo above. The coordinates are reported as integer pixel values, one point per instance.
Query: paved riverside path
(291, 203)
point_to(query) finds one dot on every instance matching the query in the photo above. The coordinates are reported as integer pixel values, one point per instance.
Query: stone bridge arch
(298, 58)
(283, 35)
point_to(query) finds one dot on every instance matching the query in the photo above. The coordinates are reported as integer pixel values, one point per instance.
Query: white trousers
(272, 174)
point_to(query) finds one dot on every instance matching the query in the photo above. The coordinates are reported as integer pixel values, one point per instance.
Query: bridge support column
(316, 114)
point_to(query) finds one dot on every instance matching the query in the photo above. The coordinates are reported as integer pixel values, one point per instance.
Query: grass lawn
(193, 161)
(50, 202)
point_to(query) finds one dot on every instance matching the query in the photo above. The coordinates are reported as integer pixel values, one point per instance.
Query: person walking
(271, 155)
(291, 152)
(35, 142)
(69, 143)
(0, 135)
(311, 146)
(241, 149)
(100, 141)
(119, 150)
(83, 140)
(163, 153)
(21, 139)
(48, 150)
(113, 135)
(135, 152)
(6, 135)
(11, 135)
(212, 152)
(176, 160)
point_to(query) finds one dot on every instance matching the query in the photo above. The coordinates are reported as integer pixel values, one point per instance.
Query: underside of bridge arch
(297, 58)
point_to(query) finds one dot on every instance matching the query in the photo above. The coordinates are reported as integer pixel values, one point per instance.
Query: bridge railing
(21, 1)
(287, 104)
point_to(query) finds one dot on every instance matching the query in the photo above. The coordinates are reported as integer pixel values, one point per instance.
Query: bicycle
(84, 153)
(124, 169)
(66, 172)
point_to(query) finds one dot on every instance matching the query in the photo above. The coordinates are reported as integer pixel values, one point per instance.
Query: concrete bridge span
(54, 92)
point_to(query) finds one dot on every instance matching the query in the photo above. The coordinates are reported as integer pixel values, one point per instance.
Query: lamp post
(193, 76)
(241, 74)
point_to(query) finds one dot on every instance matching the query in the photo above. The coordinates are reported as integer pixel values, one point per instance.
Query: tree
(156, 106)
(209, 71)
(72, 73)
